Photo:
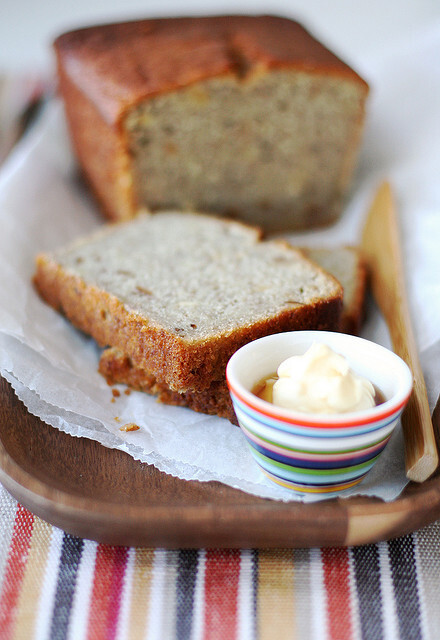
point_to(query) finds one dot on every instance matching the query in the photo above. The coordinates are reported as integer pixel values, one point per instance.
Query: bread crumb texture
(274, 149)
(194, 275)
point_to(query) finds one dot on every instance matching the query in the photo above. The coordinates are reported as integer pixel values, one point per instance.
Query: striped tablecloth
(54, 586)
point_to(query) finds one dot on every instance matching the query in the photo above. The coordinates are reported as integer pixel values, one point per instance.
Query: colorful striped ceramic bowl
(316, 453)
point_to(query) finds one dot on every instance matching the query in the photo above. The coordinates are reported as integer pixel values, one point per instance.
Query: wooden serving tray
(104, 494)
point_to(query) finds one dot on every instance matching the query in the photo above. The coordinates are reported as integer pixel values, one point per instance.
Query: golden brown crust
(181, 364)
(117, 368)
(101, 151)
(118, 65)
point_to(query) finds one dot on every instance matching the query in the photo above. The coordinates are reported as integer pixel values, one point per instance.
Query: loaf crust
(117, 368)
(353, 313)
(119, 65)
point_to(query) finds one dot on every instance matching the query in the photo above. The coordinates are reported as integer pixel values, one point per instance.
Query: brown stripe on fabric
(27, 609)
(428, 557)
(140, 592)
(275, 594)
(404, 576)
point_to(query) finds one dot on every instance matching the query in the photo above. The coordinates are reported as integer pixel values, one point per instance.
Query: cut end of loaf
(276, 150)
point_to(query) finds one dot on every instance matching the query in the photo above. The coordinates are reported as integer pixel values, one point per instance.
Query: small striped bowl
(316, 453)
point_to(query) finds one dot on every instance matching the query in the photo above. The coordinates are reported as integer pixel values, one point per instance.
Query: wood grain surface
(105, 495)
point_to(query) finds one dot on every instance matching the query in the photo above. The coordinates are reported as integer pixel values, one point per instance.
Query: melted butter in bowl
(264, 388)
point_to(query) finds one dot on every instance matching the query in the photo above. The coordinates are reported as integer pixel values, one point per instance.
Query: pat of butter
(321, 381)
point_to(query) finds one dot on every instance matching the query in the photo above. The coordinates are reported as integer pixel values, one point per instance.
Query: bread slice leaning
(178, 293)
(347, 265)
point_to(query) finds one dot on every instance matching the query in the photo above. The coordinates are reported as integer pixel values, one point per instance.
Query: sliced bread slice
(178, 293)
(347, 265)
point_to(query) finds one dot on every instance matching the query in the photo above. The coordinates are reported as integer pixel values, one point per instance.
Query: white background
(352, 28)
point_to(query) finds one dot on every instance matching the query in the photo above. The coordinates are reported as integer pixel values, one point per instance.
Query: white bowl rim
(340, 419)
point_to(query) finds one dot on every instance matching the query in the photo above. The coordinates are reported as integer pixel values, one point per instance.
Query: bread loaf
(249, 117)
(178, 293)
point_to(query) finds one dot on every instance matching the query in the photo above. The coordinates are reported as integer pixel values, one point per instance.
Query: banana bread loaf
(244, 116)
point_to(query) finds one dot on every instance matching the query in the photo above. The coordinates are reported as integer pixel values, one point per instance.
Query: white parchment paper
(53, 367)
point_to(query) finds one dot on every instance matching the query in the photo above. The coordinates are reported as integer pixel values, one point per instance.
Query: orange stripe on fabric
(275, 594)
(105, 598)
(337, 586)
(140, 592)
(27, 609)
(15, 569)
(222, 570)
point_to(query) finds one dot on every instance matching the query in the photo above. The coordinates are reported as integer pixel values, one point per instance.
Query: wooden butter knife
(381, 248)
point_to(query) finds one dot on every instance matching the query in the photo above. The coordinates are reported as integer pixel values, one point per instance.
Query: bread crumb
(130, 426)
(127, 392)
(116, 393)
(117, 419)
